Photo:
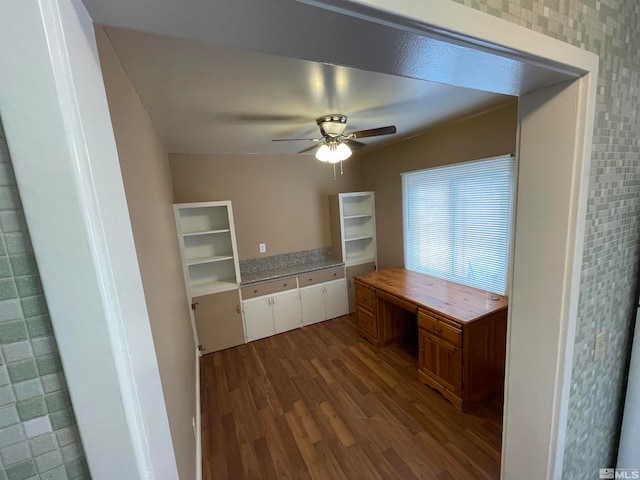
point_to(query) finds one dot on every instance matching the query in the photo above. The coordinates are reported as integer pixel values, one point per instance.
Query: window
(457, 221)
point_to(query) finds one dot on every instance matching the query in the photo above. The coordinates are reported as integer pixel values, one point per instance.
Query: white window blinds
(457, 221)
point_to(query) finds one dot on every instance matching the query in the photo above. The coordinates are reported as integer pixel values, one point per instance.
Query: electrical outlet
(262, 247)
(599, 347)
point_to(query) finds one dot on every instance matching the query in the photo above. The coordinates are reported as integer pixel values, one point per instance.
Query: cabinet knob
(238, 308)
(255, 291)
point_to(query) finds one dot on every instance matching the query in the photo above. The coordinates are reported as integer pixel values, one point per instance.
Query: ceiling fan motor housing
(332, 125)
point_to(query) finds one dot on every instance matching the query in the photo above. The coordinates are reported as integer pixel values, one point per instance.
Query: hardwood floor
(320, 403)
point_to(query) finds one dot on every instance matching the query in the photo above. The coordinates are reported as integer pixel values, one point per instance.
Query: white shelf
(360, 237)
(215, 258)
(364, 215)
(213, 287)
(358, 259)
(205, 232)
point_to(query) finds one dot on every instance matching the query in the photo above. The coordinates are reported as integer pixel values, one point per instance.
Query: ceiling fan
(335, 146)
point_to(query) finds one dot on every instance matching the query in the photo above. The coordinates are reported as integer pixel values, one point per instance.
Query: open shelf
(358, 237)
(359, 250)
(205, 219)
(213, 287)
(207, 242)
(357, 205)
(216, 258)
(206, 232)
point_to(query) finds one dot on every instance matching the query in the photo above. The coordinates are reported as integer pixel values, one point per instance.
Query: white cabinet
(207, 246)
(207, 240)
(287, 314)
(324, 301)
(353, 227)
(258, 318)
(270, 308)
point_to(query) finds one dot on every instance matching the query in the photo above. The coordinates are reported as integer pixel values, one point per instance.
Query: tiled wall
(611, 29)
(38, 434)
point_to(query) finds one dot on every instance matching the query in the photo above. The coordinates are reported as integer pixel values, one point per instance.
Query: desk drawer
(320, 276)
(440, 329)
(268, 288)
(366, 322)
(365, 296)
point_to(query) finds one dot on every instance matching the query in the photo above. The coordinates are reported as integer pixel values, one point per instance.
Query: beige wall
(280, 200)
(490, 134)
(147, 183)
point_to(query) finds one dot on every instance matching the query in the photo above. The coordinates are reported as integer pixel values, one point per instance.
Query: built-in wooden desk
(461, 332)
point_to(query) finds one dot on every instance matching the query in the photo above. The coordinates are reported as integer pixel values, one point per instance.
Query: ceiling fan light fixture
(333, 152)
(332, 125)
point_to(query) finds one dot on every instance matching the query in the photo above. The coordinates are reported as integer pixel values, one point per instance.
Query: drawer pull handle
(255, 291)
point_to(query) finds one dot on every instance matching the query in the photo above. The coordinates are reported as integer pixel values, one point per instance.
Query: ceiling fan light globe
(343, 152)
(324, 153)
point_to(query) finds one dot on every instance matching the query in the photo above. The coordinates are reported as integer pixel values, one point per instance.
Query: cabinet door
(287, 313)
(441, 361)
(335, 298)
(218, 321)
(312, 301)
(258, 318)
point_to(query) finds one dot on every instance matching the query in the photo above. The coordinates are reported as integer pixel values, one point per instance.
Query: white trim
(59, 132)
(566, 341)
(458, 23)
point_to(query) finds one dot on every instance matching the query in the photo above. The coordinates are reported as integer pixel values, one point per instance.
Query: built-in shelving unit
(353, 235)
(354, 226)
(208, 246)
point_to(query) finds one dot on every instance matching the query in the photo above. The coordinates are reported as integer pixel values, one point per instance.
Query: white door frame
(56, 119)
(55, 115)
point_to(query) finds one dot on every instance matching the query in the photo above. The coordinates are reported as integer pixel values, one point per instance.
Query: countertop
(289, 271)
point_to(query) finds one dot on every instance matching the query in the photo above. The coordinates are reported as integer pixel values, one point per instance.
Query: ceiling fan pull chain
(334, 172)
(341, 171)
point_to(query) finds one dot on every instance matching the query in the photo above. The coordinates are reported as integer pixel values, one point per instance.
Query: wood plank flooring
(320, 403)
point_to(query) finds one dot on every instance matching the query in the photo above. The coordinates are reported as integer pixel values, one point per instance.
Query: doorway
(554, 145)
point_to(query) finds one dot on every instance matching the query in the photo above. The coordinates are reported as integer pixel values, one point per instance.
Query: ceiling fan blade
(354, 145)
(296, 139)
(238, 117)
(374, 132)
(312, 147)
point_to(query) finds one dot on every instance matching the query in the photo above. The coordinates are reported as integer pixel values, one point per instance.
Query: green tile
(24, 265)
(7, 289)
(32, 408)
(57, 401)
(3, 252)
(49, 364)
(43, 444)
(11, 332)
(24, 370)
(21, 471)
(78, 470)
(34, 306)
(29, 285)
(62, 419)
(39, 326)
(9, 198)
(5, 267)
